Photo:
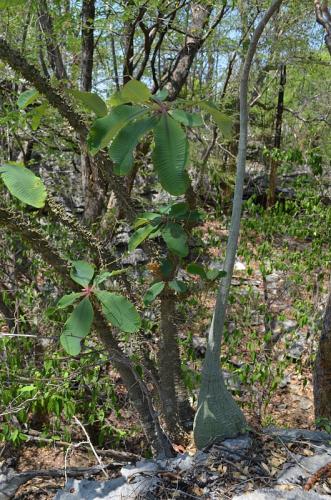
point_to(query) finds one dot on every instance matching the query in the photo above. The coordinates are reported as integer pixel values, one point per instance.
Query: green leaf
(196, 269)
(161, 95)
(224, 122)
(119, 311)
(166, 268)
(68, 300)
(82, 272)
(178, 286)
(147, 217)
(27, 388)
(100, 278)
(116, 99)
(170, 155)
(91, 101)
(140, 235)
(178, 210)
(27, 98)
(212, 274)
(175, 238)
(153, 292)
(37, 114)
(104, 129)
(187, 119)
(135, 92)
(122, 147)
(77, 327)
(11, 3)
(24, 185)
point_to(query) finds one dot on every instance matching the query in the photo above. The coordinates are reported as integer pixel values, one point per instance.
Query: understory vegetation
(127, 301)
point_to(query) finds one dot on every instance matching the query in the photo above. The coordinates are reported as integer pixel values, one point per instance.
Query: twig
(78, 422)
(117, 455)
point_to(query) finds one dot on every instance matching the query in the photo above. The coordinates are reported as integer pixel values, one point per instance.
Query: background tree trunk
(322, 371)
(271, 200)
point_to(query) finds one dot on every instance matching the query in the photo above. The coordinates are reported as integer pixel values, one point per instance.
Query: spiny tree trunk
(271, 200)
(218, 416)
(322, 371)
(137, 390)
(174, 398)
(168, 356)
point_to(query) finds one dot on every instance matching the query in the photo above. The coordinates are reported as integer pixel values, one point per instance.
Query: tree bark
(194, 41)
(88, 16)
(323, 17)
(218, 416)
(322, 370)
(175, 405)
(271, 199)
(95, 192)
(53, 51)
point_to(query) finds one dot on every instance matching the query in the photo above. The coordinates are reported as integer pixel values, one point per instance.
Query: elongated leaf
(24, 185)
(178, 286)
(68, 300)
(135, 92)
(122, 147)
(175, 238)
(27, 98)
(82, 272)
(140, 235)
(153, 292)
(196, 269)
(100, 278)
(119, 311)
(105, 129)
(170, 155)
(116, 99)
(91, 101)
(147, 217)
(77, 327)
(223, 121)
(187, 119)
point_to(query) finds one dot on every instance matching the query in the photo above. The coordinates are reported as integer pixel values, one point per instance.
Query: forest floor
(287, 403)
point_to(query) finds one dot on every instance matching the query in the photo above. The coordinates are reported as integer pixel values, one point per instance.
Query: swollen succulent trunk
(218, 416)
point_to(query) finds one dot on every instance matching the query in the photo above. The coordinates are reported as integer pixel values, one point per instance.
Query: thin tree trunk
(218, 416)
(94, 190)
(193, 42)
(322, 371)
(88, 16)
(53, 51)
(271, 200)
